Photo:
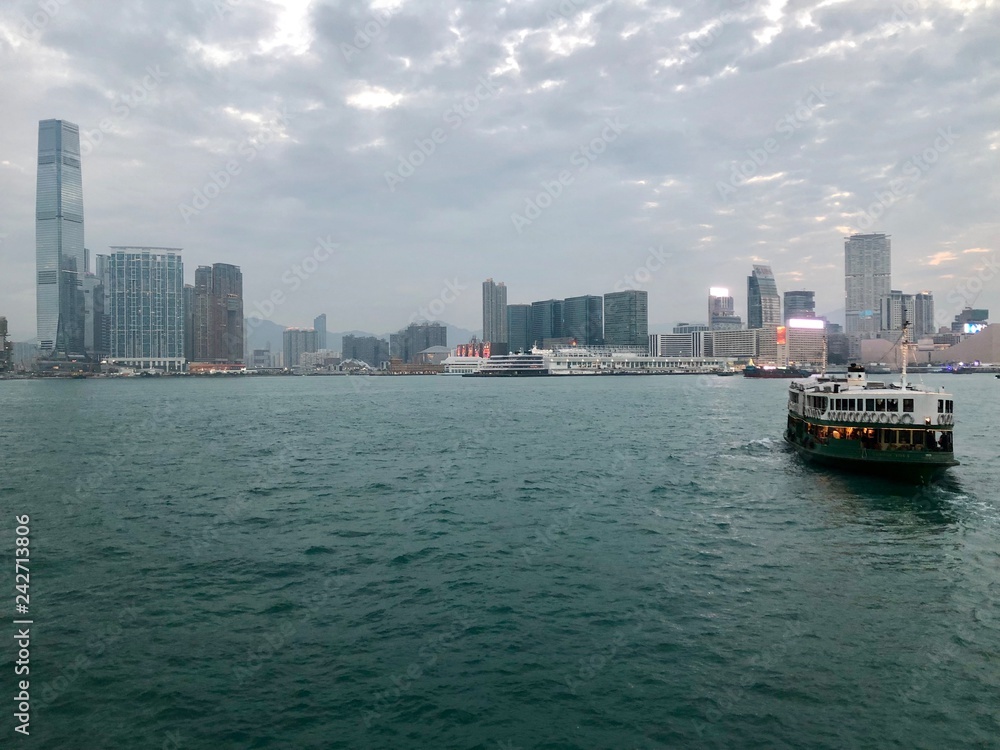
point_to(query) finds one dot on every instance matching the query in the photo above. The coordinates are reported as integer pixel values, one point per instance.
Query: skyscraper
(923, 315)
(763, 302)
(583, 319)
(546, 320)
(217, 317)
(59, 252)
(494, 312)
(722, 311)
(626, 318)
(144, 298)
(319, 323)
(895, 308)
(800, 304)
(6, 348)
(519, 328)
(867, 278)
(296, 342)
(409, 342)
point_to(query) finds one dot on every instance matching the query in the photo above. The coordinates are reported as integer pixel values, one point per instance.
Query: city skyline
(218, 132)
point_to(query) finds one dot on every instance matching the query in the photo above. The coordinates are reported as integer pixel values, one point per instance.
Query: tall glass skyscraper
(583, 319)
(626, 318)
(867, 279)
(763, 302)
(59, 253)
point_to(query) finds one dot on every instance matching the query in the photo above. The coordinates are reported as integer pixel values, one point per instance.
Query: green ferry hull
(913, 466)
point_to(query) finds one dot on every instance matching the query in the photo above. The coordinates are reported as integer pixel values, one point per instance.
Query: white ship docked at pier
(587, 361)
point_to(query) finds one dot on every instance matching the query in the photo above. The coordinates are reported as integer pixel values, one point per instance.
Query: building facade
(295, 343)
(583, 319)
(368, 349)
(59, 253)
(923, 315)
(867, 279)
(494, 312)
(799, 304)
(415, 338)
(319, 325)
(626, 318)
(763, 301)
(144, 305)
(722, 311)
(546, 320)
(216, 315)
(519, 328)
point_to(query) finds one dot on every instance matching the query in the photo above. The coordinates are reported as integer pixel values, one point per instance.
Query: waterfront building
(59, 253)
(519, 328)
(970, 320)
(737, 343)
(721, 310)
(674, 344)
(800, 304)
(261, 359)
(319, 325)
(369, 349)
(895, 308)
(95, 341)
(802, 342)
(626, 318)
(144, 304)
(546, 320)
(583, 319)
(6, 347)
(763, 301)
(867, 279)
(494, 312)
(690, 327)
(217, 314)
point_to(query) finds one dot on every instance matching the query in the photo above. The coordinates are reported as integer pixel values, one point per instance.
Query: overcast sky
(561, 147)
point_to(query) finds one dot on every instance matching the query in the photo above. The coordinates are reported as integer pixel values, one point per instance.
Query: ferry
(511, 366)
(892, 429)
(771, 372)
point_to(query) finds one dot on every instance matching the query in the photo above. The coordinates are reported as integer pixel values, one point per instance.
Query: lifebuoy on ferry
(894, 418)
(883, 417)
(906, 419)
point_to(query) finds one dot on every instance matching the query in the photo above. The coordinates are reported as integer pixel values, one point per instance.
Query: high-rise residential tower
(800, 304)
(144, 298)
(495, 312)
(763, 302)
(867, 279)
(59, 252)
(923, 315)
(217, 317)
(626, 318)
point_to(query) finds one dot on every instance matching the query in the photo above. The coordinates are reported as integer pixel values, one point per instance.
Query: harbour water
(493, 564)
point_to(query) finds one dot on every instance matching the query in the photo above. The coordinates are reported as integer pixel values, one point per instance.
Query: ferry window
(793, 397)
(948, 407)
(869, 404)
(822, 403)
(880, 404)
(907, 404)
(890, 436)
(940, 406)
(853, 404)
(892, 404)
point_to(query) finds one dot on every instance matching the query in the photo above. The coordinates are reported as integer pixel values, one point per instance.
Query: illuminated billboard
(718, 291)
(814, 323)
(782, 339)
(973, 327)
